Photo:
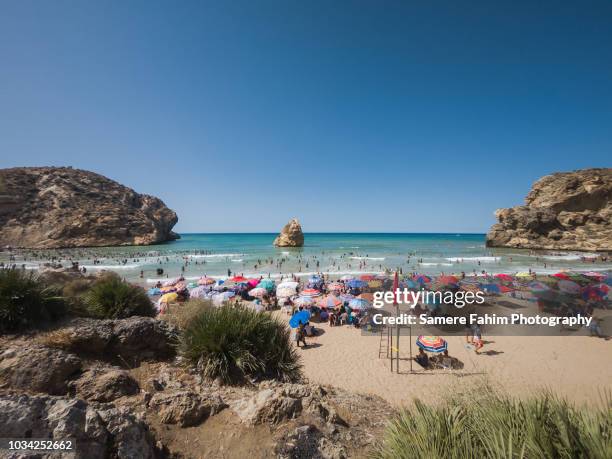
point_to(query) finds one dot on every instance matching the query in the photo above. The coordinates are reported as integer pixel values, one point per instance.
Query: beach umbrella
(258, 292)
(347, 277)
(268, 284)
(422, 279)
(356, 283)
(300, 317)
(310, 292)
(504, 277)
(569, 287)
(536, 286)
(335, 286)
(346, 297)
(285, 292)
(561, 275)
(375, 283)
(305, 301)
(239, 279)
(168, 298)
(367, 296)
(524, 274)
(315, 279)
(206, 281)
(289, 284)
(595, 292)
(367, 277)
(199, 292)
(490, 288)
(165, 290)
(329, 301)
(409, 284)
(221, 297)
(154, 291)
(170, 282)
(431, 343)
(359, 303)
(595, 275)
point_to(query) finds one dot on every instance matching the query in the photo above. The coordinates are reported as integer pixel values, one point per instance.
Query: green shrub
(496, 426)
(112, 298)
(26, 300)
(235, 344)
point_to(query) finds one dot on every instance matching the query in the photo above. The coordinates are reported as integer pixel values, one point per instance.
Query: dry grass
(58, 339)
(180, 314)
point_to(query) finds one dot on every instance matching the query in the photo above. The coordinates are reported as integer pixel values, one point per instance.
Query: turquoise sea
(333, 253)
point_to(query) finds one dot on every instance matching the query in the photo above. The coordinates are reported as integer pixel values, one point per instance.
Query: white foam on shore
(368, 258)
(435, 264)
(237, 260)
(89, 267)
(570, 256)
(217, 255)
(481, 259)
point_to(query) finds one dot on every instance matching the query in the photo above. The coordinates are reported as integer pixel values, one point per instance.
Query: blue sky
(353, 116)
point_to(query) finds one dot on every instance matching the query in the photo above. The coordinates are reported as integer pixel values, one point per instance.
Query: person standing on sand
(477, 339)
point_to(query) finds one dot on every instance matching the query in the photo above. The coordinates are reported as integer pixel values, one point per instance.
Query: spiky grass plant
(26, 300)
(112, 298)
(491, 425)
(236, 344)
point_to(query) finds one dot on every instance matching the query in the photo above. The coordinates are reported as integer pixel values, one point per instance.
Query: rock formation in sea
(563, 211)
(291, 235)
(53, 207)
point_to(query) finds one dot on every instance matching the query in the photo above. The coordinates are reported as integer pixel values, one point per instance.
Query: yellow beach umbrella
(168, 298)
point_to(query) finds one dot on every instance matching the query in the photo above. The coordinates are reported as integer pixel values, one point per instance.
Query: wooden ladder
(383, 344)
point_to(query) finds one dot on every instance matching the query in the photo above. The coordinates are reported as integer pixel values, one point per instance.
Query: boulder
(130, 436)
(105, 384)
(309, 442)
(267, 406)
(563, 211)
(38, 369)
(291, 235)
(56, 418)
(55, 207)
(185, 408)
(133, 339)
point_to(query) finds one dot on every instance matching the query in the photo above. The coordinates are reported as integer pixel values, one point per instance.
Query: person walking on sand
(300, 335)
(477, 339)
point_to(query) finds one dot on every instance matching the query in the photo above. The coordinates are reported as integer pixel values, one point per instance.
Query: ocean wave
(570, 256)
(435, 264)
(237, 260)
(368, 258)
(217, 255)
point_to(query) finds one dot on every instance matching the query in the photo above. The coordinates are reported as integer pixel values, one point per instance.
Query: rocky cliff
(563, 211)
(291, 235)
(52, 207)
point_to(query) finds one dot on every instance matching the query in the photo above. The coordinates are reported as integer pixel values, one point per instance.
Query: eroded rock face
(105, 385)
(291, 235)
(37, 369)
(563, 211)
(52, 207)
(185, 408)
(133, 339)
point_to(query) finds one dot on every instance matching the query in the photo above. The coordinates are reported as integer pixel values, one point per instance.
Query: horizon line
(334, 232)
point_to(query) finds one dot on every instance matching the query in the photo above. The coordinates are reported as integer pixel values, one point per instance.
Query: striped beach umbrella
(329, 301)
(305, 301)
(310, 292)
(206, 281)
(432, 343)
(335, 286)
(347, 277)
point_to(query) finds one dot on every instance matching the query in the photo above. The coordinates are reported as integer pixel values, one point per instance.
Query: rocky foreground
(58, 207)
(563, 211)
(116, 387)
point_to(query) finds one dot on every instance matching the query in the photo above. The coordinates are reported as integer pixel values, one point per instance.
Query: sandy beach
(577, 368)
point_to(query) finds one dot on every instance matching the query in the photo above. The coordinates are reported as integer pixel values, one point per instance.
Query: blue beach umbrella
(154, 291)
(359, 303)
(356, 283)
(300, 317)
